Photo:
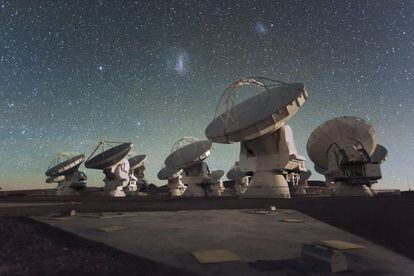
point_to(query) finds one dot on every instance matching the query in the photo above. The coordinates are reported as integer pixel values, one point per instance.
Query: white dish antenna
(235, 174)
(258, 122)
(340, 133)
(263, 113)
(108, 156)
(239, 178)
(112, 160)
(320, 170)
(345, 150)
(215, 186)
(216, 175)
(64, 170)
(380, 154)
(137, 180)
(65, 163)
(137, 161)
(166, 173)
(173, 176)
(55, 179)
(187, 152)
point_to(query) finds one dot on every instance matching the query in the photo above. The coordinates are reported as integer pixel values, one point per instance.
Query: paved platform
(266, 242)
(34, 204)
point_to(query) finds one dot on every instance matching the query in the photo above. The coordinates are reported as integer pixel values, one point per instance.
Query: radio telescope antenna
(183, 142)
(188, 154)
(64, 170)
(259, 124)
(114, 164)
(228, 98)
(240, 179)
(346, 151)
(136, 172)
(215, 186)
(174, 182)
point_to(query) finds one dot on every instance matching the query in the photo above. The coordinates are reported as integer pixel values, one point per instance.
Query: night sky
(149, 72)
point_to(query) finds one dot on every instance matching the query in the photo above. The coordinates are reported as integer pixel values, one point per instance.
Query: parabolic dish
(380, 154)
(305, 175)
(166, 173)
(216, 175)
(66, 167)
(339, 133)
(320, 170)
(261, 114)
(109, 157)
(137, 161)
(235, 174)
(189, 155)
(55, 179)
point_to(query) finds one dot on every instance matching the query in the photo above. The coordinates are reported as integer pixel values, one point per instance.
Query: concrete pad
(215, 256)
(341, 245)
(109, 215)
(292, 220)
(110, 228)
(264, 243)
(34, 204)
(63, 218)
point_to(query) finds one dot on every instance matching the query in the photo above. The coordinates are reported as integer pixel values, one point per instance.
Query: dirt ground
(28, 247)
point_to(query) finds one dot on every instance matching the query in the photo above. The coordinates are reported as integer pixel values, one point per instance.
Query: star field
(149, 72)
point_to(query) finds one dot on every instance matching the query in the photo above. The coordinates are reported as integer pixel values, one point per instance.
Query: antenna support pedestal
(345, 189)
(193, 177)
(118, 192)
(72, 184)
(270, 157)
(194, 188)
(267, 185)
(177, 188)
(216, 189)
(241, 185)
(116, 179)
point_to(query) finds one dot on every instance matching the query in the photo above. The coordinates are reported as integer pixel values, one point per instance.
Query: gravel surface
(28, 247)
